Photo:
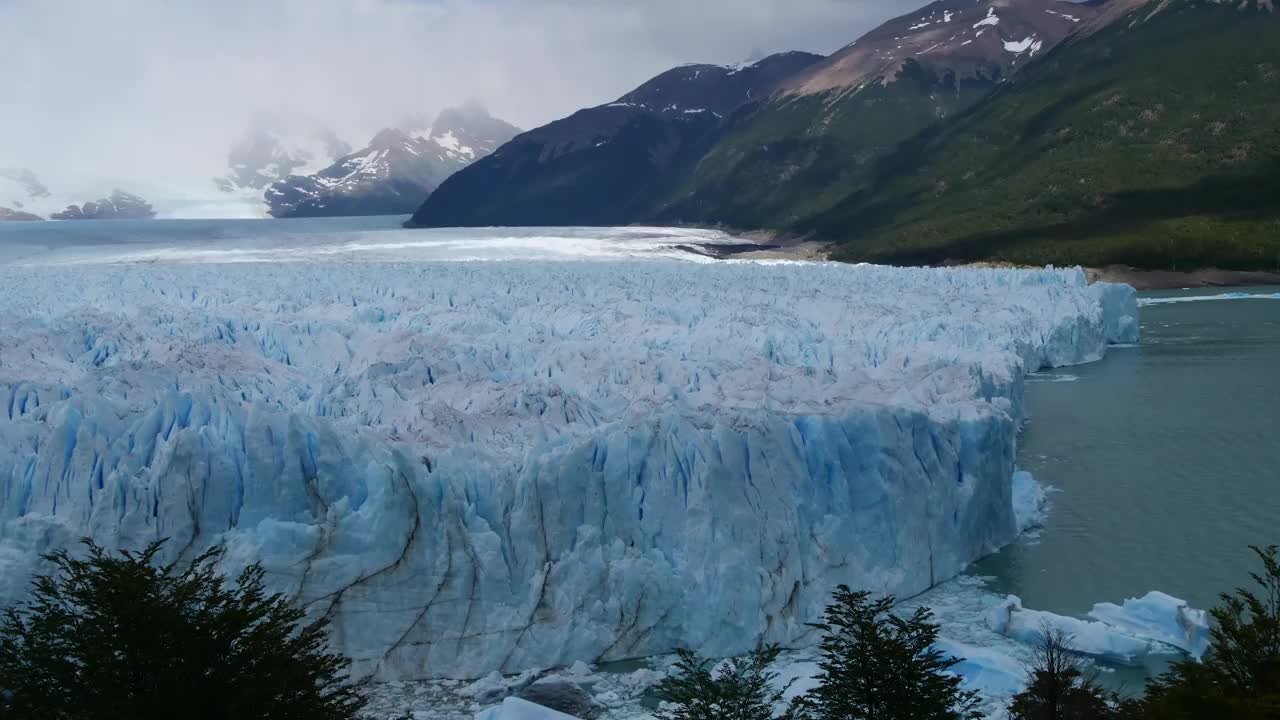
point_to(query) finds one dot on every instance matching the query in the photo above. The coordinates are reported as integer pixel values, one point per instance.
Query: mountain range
(395, 171)
(273, 149)
(119, 205)
(25, 198)
(1112, 131)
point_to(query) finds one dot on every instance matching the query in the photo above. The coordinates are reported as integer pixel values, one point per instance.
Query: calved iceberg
(1155, 624)
(516, 709)
(472, 467)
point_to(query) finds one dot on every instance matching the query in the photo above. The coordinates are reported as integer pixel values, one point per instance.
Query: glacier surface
(480, 466)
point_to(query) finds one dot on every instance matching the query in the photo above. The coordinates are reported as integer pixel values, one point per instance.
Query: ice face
(1120, 308)
(472, 467)
(1030, 501)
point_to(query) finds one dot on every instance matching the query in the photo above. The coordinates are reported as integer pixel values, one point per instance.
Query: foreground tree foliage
(877, 666)
(1239, 677)
(741, 689)
(119, 637)
(1058, 687)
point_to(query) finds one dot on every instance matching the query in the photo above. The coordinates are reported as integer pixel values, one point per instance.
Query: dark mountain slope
(120, 205)
(11, 215)
(818, 142)
(1153, 141)
(609, 164)
(788, 138)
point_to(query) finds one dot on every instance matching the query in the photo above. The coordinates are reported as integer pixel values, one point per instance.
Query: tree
(1058, 688)
(121, 638)
(742, 689)
(878, 666)
(1239, 677)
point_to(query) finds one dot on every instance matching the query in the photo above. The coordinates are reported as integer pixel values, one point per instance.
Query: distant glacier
(478, 466)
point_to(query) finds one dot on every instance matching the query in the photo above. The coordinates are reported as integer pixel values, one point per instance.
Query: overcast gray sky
(160, 88)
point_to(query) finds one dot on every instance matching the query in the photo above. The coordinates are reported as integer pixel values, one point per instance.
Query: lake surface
(1166, 457)
(333, 239)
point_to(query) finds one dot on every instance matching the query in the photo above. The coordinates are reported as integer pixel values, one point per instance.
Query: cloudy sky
(158, 89)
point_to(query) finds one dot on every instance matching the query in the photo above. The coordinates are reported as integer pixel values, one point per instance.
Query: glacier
(472, 467)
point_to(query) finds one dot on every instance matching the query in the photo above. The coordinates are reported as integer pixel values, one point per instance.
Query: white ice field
(478, 466)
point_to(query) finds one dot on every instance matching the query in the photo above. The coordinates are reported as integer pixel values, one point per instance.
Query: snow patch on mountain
(273, 149)
(396, 171)
(1023, 45)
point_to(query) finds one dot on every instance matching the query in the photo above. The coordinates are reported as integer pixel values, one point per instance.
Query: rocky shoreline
(812, 250)
(1174, 280)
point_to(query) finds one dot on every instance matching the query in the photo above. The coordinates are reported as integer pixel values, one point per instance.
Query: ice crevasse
(472, 467)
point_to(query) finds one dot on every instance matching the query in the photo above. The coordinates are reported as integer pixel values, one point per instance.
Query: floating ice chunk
(1201, 298)
(989, 671)
(1160, 617)
(517, 709)
(1096, 639)
(1138, 636)
(990, 19)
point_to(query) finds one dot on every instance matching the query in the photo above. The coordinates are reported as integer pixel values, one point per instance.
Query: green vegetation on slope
(779, 163)
(1154, 142)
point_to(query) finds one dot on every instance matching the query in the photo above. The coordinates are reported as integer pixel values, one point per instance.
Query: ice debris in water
(1159, 617)
(479, 467)
(517, 709)
(1156, 624)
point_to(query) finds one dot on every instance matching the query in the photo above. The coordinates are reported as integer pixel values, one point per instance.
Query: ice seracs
(477, 467)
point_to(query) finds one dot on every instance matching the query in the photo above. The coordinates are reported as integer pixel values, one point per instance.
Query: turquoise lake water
(1166, 458)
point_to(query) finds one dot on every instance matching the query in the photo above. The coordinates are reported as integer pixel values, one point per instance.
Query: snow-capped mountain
(395, 171)
(960, 38)
(270, 151)
(716, 89)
